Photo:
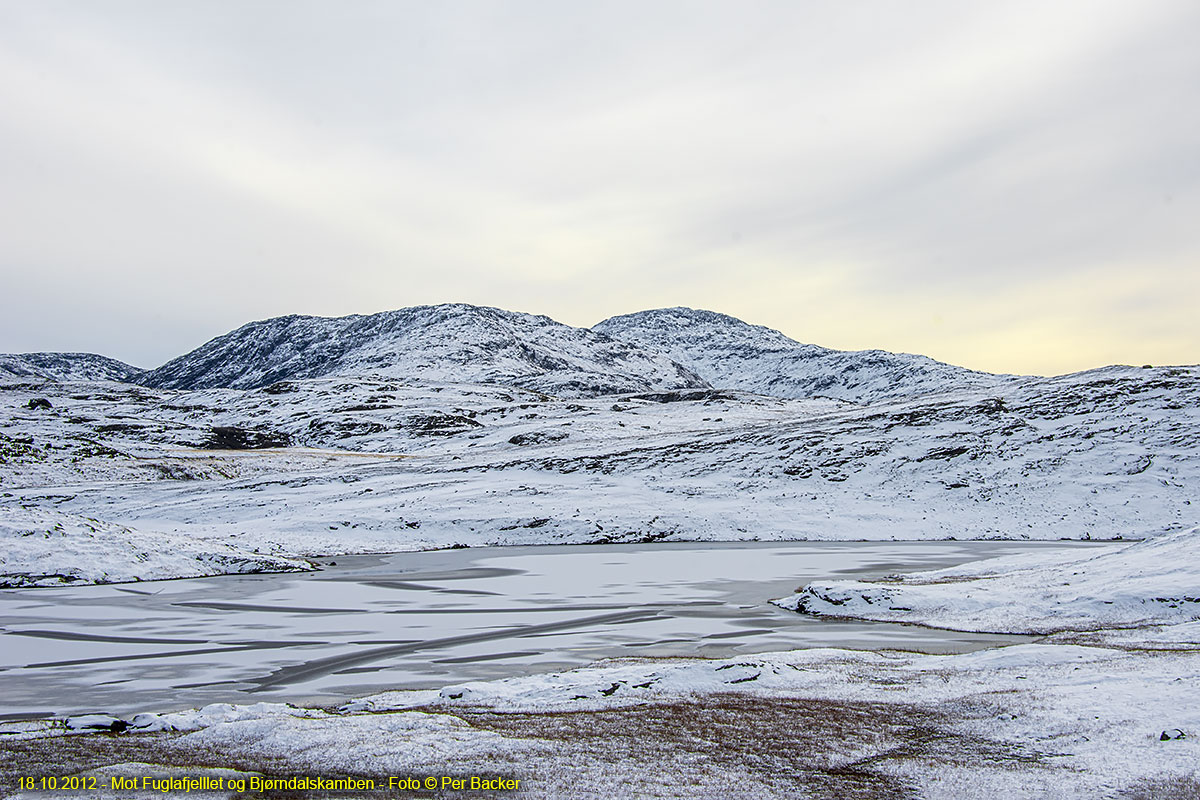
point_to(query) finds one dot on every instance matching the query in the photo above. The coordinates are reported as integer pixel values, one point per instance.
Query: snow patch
(1153, 582)
(40, 547)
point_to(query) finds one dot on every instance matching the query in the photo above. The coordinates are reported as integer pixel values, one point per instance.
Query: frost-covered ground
(332, 466)
(1029, 721)
(1153, 582)
(40, 547)
(105, 481)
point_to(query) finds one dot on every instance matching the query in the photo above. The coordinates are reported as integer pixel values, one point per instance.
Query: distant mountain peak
(662, 349)
(732, 354)
(66, 367)
(450, 343)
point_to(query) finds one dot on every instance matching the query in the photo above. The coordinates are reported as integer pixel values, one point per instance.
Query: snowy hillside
(65, 367)
(731, 354)
(1146, 583)
(340, 465)
(104, 482)
(447, 343)
(441, 425)
(661, 350)
(456, 426)
(33, 541)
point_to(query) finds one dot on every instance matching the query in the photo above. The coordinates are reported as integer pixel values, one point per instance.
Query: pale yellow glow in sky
(1011, 188)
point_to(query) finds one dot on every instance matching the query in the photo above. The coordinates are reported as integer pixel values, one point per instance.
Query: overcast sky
(1008, 186)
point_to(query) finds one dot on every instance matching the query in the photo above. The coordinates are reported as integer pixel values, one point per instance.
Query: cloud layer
(1011, 187)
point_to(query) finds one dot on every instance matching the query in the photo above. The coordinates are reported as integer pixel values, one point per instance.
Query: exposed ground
(1028, 721)
(718, 746)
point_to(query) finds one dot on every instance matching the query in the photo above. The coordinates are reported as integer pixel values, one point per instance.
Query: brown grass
(718, 746)
(788, 747)
(1178, 788)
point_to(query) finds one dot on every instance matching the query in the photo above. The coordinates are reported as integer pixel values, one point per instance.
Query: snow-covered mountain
(65, 367)
(731, 354)
(455, 343)
(649, 351)
(359, 435)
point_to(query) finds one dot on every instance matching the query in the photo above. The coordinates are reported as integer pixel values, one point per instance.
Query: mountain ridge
(67, 366)
(732, 354)
(656, 350)
(449, 343)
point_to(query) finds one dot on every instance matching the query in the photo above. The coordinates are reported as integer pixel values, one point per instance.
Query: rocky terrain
(731, 354)
(452, 343)
(633, 447)
(308, 467)
(660, 350)
(66, 367)
(296, 438)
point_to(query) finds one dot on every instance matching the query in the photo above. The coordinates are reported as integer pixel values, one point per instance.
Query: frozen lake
(421, 620)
